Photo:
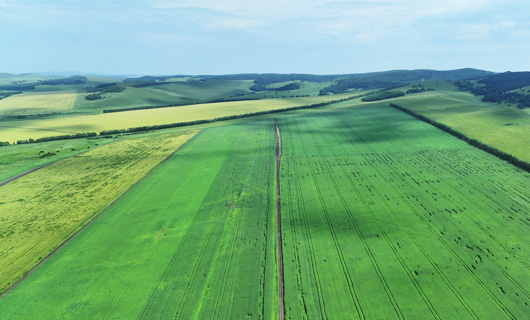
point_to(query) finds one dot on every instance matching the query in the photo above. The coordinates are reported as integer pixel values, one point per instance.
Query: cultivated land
(165, 94)
(42, 210)
(25, 129)
(382, 215)
(504, 127)
(21, 158)
(37, 103)
(194, 239)
(386, 217)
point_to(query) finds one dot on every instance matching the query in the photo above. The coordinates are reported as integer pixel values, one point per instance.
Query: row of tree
(174, 125)
(382, 95)
(62, 137)
(101, 90)
(239, 116)
(264, 87)
(489, 149)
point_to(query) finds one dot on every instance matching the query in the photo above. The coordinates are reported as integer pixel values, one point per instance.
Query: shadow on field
(345, 127)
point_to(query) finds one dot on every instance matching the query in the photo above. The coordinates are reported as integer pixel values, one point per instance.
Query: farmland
(164, 94)
(37, 103)
(40, 211)
(381, 216)
(24, 129)
(20, 158)
(501, 126)
(430, 226)
(196, 237)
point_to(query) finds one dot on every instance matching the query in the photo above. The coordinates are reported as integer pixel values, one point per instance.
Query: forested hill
(341, 82)
(510, 87)
(396, 78)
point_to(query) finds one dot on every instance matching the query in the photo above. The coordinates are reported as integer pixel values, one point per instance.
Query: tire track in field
(210, 234)
(485, 195)
(484, 287)
(233, 246)
(405, 267)
(492, 237)
(367, 249)
(489, 235)
(340, 254)
(279, 223)
(411, 236)
(405, 227)
(309, 240)
(173, 259)
(415, 241)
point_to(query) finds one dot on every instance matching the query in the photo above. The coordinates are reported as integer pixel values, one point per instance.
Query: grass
(195, 239)
(387, 217)
(37, 103)
(24, 129)
(43, 209)
(503, 127)
(16, 159)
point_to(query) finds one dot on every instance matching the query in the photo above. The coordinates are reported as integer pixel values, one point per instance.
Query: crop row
(442, 239)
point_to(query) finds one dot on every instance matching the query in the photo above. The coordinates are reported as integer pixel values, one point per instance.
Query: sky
(168, 37)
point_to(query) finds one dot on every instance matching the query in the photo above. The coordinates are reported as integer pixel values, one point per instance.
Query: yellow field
(37, 102)
(40, 211)
(503, 127)
(17, 130)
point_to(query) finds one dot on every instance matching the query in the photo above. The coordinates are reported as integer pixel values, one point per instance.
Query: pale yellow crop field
(41, 210)
(37, 102)
(25, 129)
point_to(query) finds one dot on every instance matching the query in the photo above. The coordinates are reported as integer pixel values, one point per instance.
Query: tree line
(177, 124)
(482, 146)
(54, 138)
(232, 117)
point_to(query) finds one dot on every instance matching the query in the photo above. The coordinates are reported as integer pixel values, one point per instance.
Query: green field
(194, 238)
(506, 128)
(42, 210)
(386, 217)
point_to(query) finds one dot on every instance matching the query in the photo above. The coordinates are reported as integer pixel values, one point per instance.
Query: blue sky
(284, 36)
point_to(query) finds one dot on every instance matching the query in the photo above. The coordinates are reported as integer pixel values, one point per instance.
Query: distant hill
(510, 87)
(342, 82)
(397, 78)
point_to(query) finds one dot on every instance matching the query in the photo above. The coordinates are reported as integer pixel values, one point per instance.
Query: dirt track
(279, 223)
(20, 175)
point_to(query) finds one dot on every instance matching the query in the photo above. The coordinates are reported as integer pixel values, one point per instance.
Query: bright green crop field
(385, 217)
(195, 239)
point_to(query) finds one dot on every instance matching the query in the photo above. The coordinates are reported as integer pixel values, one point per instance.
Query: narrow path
(20, 175)
(279, 223)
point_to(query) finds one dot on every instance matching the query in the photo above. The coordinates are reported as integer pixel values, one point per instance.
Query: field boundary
(20, 175)
(281, 302)
(521, 164)
(102, 211)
